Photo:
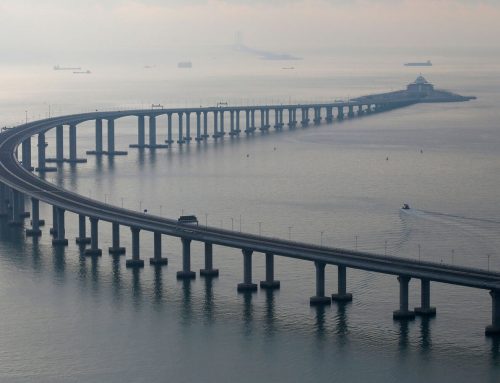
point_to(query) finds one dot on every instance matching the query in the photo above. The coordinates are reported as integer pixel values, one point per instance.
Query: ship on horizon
(425, 63)
(58, 67)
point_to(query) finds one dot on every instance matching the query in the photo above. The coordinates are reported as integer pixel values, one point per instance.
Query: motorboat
(405, 206)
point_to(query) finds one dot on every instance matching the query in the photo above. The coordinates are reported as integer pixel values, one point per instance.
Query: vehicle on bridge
(188, 219)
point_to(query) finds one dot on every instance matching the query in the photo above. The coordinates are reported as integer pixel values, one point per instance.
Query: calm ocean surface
(68, 318)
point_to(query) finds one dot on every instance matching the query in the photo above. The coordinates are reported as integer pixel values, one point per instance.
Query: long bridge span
(17, 181)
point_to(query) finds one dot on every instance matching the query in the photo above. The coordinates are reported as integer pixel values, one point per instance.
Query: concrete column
(198, 127)
(281, 118)
(111, 137)
(216, 129)
(276, 119)
(222, 133)
(60, 239)
(403, 312)
(72, 143)
(152, 132)
(157, 259)
(266, 115)
(35, 219)
(41, 152)
(188, 127)
(290, 118)
(305, 116)
(342, 294)
(22, 211)
(494, 328)
(340, 115)
(205, 125)
(3, 202)
(186, 272)
(252, 124)
(231, 124)
(116, 249)
(329, 114)
(53, 229)
(136, 261)
(247, 121)
(94, 238)
(247, 284)
(317, 116)
(180, 139)
(82, 238)
(169, 140)
(209, 271)
(237, 131)
(16, 219)
(26, 153)
(320, 298)
(262, 120)
(98, 136)
(350, 114)
(425, 308)
(141, 139)
(270, 282)
(59, 143)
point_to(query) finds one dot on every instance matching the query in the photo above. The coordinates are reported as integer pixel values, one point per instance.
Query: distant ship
(288, 68)
(57, 67)
(82, 72)
(184, 64)
(426, 63)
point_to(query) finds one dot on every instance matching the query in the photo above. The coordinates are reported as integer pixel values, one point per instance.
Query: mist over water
(69, 318)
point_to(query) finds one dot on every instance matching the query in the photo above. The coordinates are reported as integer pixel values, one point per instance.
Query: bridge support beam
(247, 284)
(270, 283)
(340, 115)
(205, 126)
(209, 271)
(59, 144)
(222, 133)
(35, 219)
(94, 238)
(157, 260)
(42, 166)
(231, 123)
(72, 147)
(169, 139)
(425, 308)
(237, 122)
(16, 218)
(180, 139)
(186, 272)
(141, 135)
(342, 294)
(188, 128)
(320, 298)
(60, 239)
(115, 249)
(4, 191)
(82, 238)
(136, 261)
(494, 328)
(198, 137)
(152, 132)
(403, 312)
(98, 139)
(26, 154)
(111, 141)
(53, 229)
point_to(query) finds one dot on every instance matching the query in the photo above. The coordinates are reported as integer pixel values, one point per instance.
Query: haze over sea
(68, 318)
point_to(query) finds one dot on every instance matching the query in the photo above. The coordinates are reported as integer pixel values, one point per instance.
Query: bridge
(17, 181)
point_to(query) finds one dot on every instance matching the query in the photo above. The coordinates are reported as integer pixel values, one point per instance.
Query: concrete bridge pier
(267, 125)
(198, 127)
(276, 119)
(281, 124)
(115, 249)
(237, 131)
(187, 139)
(94, 238)
(98, 138)
(82, 238)
(186, 272)
(157, 259)
(26, 154)
(169, 141)
(205, 126)
(3, 200)
(53, 229)
(247, 121)
(403, 312)
(35, 219)
(368, 109)
(350, 113)
(222, 133)
(141, 135)
(59, 146)
(262, 120)
(340, 114)
(494, 328)
(17, 216)
(305, 117)
(425, 308)
(152, 132)
(291, 118)
(216, 123)
(60, 234)
(136, 261)
(231, 123)
(247, 284)
(72, 147)
(329, 115)
(42, 165)
(111, 140)
(209, 271)
(252, 121)
(360, 110)
(320, 299)
(342, 294)
(180, 139)
(270, 283)
(317, 116)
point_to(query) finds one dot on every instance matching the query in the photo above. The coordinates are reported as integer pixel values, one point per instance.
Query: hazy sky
(46, 29)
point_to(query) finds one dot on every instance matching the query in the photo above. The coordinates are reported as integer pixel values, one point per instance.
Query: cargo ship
(426, 63)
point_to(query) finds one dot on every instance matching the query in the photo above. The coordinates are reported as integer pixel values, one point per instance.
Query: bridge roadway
(18, 178)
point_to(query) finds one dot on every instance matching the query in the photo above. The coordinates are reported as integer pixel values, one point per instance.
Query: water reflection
(247, 312)
(208, 304)
(320, 321)
(116, 280)
(59, 261)
(270, 327)
(425, 334)
(342, 323)
(186, 307)
(158, 286)
(136, 288)
(404, 332)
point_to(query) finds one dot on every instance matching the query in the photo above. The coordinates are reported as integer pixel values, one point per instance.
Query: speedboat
(405, 206)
